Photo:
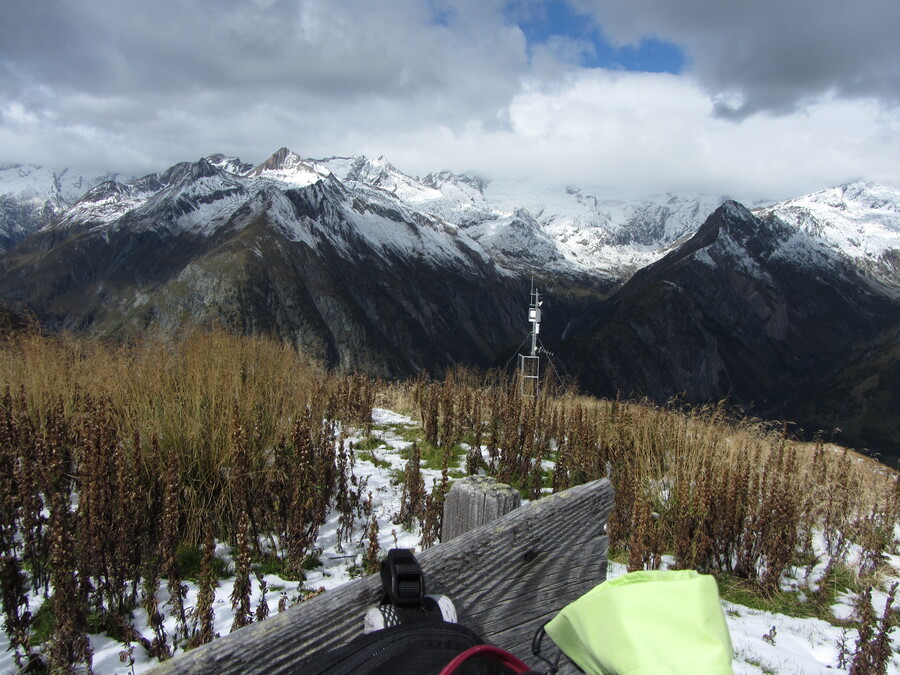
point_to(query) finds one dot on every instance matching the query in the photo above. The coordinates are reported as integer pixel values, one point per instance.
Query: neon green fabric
(647, 623)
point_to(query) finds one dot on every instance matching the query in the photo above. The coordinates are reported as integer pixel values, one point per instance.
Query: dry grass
(137, 450)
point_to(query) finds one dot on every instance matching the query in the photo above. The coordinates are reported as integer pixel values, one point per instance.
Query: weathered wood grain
(506, 578)
(474, 501)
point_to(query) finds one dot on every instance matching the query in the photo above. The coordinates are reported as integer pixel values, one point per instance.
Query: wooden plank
(474, 501)
(506, 578)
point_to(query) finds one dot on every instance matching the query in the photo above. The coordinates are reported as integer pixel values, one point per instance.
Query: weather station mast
(530, 364)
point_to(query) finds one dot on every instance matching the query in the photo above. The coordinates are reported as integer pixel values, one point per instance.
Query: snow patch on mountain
(455, 199)
(579, 230)
(197, 198)
(200, 205)
(31, 196)
(517, 241)
(104, 204)
(407, 233)
(282, 215)
(601, 232)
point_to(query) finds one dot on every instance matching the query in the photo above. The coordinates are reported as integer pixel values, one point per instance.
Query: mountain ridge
(371, 269)
(725, 315)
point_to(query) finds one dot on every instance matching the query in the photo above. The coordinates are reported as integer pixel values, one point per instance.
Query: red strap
(491, 653)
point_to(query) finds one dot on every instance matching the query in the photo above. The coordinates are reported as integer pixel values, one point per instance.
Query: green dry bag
(647, 623)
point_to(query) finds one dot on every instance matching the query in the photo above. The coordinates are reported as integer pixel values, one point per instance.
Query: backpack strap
(490, 654)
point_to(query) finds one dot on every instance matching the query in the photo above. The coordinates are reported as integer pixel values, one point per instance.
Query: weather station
(530, 364)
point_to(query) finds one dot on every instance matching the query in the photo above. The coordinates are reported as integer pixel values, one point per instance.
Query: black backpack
(426, 647)
(421, 643)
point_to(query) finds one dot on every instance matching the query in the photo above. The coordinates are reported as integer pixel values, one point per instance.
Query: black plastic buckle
(402, 578)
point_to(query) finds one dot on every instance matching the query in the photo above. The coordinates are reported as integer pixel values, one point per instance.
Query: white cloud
(640, 132)
(431, 84)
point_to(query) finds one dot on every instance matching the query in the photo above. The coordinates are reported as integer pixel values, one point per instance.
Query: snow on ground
(764, 642)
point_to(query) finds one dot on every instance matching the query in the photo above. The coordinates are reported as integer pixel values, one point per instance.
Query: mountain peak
(32, 196)
(857, 194)
(372, 171)
(735, 210)
(230, 164)
(281, 159)
(439, 179)
(187, 171)
(858, 221)
(288, 167)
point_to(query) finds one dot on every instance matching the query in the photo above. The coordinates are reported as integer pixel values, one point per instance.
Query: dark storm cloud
(770, 55)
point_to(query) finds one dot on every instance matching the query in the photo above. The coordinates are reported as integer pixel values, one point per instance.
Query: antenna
(530, 365)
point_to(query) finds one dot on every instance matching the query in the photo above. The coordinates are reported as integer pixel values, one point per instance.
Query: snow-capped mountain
(758, 311)
(458, 200)
(343, 269)
(592, 231)
(604, 233)
(202, 197)
(31, 196)
(373, 269)
(860, 222)
(579, 230)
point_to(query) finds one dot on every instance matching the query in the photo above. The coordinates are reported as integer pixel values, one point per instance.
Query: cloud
(309, 50)
(363, 64)
(640, 133)
(770, 56)
(451, 84)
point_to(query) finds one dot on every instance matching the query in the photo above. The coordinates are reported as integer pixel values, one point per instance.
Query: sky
(754, 99)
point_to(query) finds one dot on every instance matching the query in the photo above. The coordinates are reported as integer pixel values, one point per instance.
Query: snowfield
(764, 642)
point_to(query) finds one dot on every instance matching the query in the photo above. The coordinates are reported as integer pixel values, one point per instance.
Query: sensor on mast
(530, 365)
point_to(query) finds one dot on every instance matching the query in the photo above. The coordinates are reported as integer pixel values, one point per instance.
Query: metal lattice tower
(530, 365)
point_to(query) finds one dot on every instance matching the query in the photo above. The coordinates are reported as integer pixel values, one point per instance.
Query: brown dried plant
(372, 556)
(412, 499)
(203, 615)
(14, 597)
(241, 591)
(873, 646)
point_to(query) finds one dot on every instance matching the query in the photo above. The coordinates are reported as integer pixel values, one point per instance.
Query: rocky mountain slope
(859, 222)
(354, 276)
(791, 309)
(759, 311)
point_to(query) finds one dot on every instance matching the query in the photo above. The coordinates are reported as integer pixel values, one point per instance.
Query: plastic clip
(402, 578)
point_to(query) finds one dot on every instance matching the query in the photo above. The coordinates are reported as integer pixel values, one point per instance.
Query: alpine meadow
(139, 479)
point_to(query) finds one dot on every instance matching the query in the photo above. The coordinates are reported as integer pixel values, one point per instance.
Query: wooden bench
(506, 578)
